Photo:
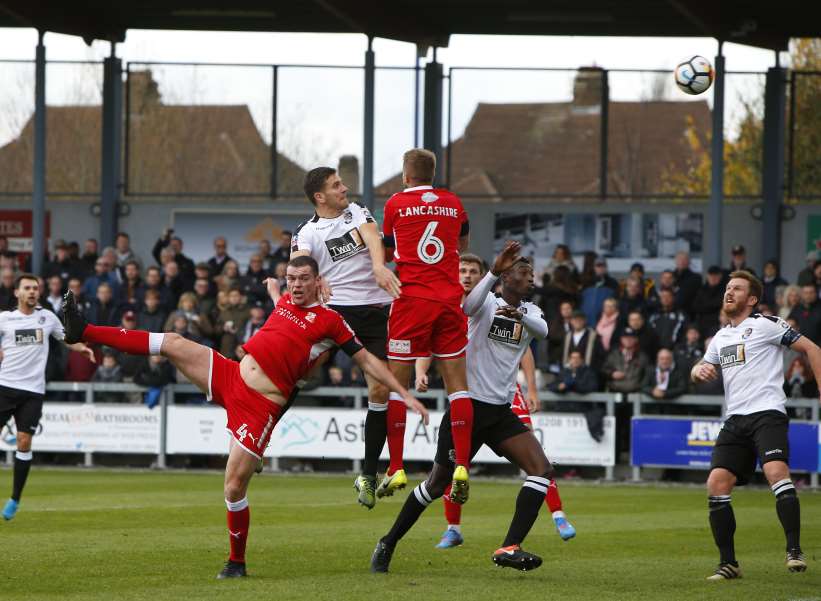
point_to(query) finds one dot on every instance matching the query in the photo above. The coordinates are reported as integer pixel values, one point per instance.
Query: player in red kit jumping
(425, 229)
(257, 390)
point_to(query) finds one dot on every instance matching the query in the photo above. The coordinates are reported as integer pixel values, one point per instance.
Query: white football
(694, 75)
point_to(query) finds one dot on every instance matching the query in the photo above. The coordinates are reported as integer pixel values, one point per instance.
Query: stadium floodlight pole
(367, 153)
(714, 214)
(38, 206)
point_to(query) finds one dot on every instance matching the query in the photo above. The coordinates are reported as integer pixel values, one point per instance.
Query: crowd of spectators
(644, 334)
(636, 333)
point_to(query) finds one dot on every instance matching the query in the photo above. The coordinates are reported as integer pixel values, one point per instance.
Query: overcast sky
(320, 110)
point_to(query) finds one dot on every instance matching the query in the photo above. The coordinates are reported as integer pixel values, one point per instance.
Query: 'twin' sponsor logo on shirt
(733, 355)
(428, 210)
(703, 434)
(345, 246)
(505, 330)
(283, 312)
(28, 337)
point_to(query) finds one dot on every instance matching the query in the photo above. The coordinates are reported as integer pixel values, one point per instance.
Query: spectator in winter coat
(807, 314)
(689, 351)
(557, 329)
(602, 287)
(668, 322)
(625, 366)
(583, 339)
(153, 315)
(104, 309)
(632, 298)
(575, 377)
(771, 280)
(688, 283)
(708, 302)
(648, 339)
(666, 380)
(807, 275)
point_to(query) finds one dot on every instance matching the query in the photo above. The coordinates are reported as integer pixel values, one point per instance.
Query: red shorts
(519, 406)
(420, 327)
(251, 416)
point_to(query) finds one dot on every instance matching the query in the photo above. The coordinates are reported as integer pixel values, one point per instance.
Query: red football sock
(238, 522)
(134, 342)
(453, 511)
(397, 414)
(552, 498)
(461, 425)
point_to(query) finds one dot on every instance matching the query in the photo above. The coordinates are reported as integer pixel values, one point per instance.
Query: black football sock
(22, 465)
(722, 523)
(530, 500)
(376, 431)
(789, 512)
(415, 504)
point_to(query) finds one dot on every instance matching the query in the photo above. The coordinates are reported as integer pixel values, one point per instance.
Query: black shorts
(370, 324)
(25, 406)
(492, 425)
(747, 439)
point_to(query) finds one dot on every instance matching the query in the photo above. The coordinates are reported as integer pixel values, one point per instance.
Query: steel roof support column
(111, 170)
(432, 137)
(772, 177)
(38, 205)
(712, 235)
(367, 153)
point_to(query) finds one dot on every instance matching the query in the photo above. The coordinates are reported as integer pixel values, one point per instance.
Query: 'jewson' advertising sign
(339, 434)
(81, 428)
(689, 443)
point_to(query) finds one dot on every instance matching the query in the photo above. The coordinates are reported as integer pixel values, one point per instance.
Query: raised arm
(385, 278)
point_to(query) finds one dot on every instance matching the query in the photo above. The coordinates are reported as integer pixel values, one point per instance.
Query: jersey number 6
(428, 239)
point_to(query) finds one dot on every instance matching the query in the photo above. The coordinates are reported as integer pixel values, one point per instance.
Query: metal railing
(438, 397)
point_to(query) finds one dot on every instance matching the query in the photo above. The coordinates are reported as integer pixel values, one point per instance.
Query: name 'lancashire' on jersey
(423, 224)
(751, 357)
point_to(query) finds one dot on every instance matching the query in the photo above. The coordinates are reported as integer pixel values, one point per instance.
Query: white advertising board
(82, 428)
(339, 434)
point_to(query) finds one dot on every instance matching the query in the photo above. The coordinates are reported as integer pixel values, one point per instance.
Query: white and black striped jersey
(751, 356)
(25, 342)
(496, 344)
(344, 261)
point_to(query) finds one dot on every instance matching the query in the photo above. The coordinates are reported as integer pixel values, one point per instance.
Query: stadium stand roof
(428, 22)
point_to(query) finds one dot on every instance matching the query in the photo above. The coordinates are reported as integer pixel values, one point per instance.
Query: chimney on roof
(587, 87)
(144, 90)
(348, 171)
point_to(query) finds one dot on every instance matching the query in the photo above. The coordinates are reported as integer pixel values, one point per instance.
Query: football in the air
(694, 75)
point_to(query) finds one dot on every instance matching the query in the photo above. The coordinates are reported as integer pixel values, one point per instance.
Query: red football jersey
(294, 337)
(424, 225)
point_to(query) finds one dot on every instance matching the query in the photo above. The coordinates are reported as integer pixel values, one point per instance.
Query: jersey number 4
(429, 240)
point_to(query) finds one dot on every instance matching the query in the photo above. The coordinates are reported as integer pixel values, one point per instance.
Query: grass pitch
(118, 535)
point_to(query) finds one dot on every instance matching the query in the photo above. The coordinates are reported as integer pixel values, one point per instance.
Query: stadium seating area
(638, 333)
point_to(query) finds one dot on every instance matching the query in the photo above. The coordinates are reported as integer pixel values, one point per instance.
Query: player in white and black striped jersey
(25, 334)
(749, 350)
(343, 238)
(500, 330)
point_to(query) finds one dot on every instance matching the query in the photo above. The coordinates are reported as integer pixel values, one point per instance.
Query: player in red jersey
(257, 390)
(471, 270)
(424, 229)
